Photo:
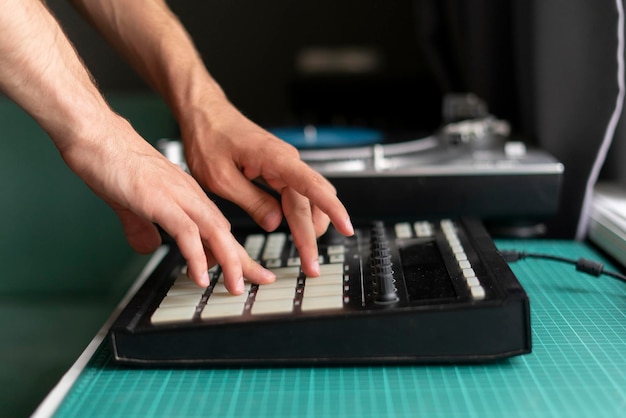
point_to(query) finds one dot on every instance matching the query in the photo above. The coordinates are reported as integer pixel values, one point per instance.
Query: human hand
(227, 152)
(144, 188)
(40, 70)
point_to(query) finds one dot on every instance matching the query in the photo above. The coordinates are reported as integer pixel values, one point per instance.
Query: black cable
(584, 265)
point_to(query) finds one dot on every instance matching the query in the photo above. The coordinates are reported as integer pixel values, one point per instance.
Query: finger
(232, 271)
(142, 235)
(215, 232)
(248, 268)
(309, 183)
(220, 246)
(320, 221)
(187, 236)
(298, 214)
(254, 272)
(210, 258)
(260, 205)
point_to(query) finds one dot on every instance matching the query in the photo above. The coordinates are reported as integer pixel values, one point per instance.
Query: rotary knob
(382, 267)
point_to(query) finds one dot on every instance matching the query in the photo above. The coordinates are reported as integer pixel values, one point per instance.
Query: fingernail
(316, 267)
(205, 280)
(349, 227)
(240, 287)
(269, 275)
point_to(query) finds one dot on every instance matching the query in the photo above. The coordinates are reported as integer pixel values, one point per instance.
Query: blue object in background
(311, 136)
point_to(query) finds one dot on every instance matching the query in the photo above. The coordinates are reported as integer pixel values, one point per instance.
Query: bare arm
(224, 150)
(40, 70)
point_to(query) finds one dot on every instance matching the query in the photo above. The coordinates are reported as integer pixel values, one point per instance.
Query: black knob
(380, 269)
(379, 260)
(380, 252)
(378, 231)
(386, 288)
(378, 225)
(380, 245)
(383, 277)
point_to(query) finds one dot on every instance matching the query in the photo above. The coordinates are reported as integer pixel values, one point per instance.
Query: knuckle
(217, 177)
(257, 208)
(291, 151)
(186, 228)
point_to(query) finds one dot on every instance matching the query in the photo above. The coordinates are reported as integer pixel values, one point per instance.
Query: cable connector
(589, 266)
(511, 256)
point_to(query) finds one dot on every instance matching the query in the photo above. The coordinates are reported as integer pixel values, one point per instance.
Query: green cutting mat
(577, 368)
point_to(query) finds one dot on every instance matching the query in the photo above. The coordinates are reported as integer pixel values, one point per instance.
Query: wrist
(196, 100)
(77, 118)
(205, 107)
(94, 146)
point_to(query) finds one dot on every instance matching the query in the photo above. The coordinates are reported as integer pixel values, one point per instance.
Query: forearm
(154, 41)
(40, 70)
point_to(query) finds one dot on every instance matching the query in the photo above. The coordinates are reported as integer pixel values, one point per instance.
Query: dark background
(549, 67)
